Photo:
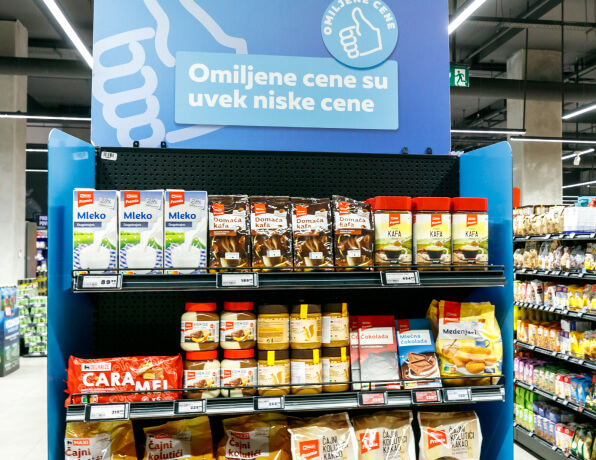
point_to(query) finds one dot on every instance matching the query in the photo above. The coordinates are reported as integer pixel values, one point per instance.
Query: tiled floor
(521, 454)
(23, 412)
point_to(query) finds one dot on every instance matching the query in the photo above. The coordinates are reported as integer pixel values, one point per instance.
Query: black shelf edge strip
(557, 355)
(558, 311)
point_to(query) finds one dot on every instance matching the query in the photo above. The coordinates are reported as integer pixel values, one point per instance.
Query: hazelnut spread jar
(336, 369)
(273, 327)
(306, 367)
(469, 221)
(239, 369)
(238, 330)
(336, 325)
(199, 329)
(274, 369)
(305, 327)
(201, 370)
(393, 230)
(432, 231)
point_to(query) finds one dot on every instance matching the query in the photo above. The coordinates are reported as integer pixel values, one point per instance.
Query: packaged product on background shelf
(353, 233)
(180, 439)
(518, 258)
(321, 438)
(469, 342)
(377, 350)
(470, 231)
(417, 358)
(354, 354)
(100, 440)
(312, 232)
(386, 435)
(271, 231)
(590, 258)
(97, 377)
(185, 227)
(255, 437)
(530, 256)
(432, 230)
(229, 232)
(449, 435)
(95, 230)
(9, 330)
(141, 231)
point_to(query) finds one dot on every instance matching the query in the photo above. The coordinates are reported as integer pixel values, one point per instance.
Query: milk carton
(95, 230)
(141, 231)
(185, 227)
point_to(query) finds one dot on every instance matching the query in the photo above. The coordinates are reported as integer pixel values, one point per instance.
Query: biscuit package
(322, 438)
(468, 341)
(271, 231)
(313, 239)
(255, 437)
(188, 438)
(354, 233)
(100, 441)
(386, 435)
(449, 435)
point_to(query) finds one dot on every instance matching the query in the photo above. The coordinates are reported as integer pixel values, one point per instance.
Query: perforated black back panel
(128, 324)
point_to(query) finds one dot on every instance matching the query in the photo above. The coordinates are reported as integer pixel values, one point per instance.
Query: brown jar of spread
(238, 330)
(199, 329)
(336, 369)
(305, 327)
(274, 369)
(273, 327)
(201, 370)
(336, 325)
(306, 367)
(239, 369)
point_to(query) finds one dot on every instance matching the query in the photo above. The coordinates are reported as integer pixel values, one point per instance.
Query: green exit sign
(459, 76)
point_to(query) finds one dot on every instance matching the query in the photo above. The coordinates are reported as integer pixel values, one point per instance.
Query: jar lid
(277, 354)
(306, 354)
(238, 306)
(336, 352)
(308, 308)
(239, 354)
(201, 306)
(431, 203)
(388, 203)
(201, 355)
(336, 308)
(269, 309)
(469, 204)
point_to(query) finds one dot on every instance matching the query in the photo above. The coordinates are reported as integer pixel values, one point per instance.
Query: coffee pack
(185, 228)
(271, 232)
(141, 231)
(95, 230)
(417, 357)
(311, 227)
(354, 233)
(229, 232)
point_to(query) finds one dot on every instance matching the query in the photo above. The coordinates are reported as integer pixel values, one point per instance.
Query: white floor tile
(521, 454)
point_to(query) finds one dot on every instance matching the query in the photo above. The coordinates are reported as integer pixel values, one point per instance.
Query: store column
(13, 141)
(537, 168)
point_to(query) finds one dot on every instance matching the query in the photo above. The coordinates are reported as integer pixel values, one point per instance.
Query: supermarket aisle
(521, 454)
(23, 405)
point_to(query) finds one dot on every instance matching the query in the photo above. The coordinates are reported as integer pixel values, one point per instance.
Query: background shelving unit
(123, 322)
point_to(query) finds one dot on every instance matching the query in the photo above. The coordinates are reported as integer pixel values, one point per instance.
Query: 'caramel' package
(313, 240)
(100, 441)
(449, 435)
(324, 438)
(189, 439)
(229, 232)
(96, 377)
(251, 437)
(386, 435)
(271, 232)
(354, 233)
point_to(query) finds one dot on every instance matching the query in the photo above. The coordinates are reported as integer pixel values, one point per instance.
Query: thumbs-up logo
(362, 38)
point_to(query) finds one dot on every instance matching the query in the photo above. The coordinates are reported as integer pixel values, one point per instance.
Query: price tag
(424, 397)
(547, 236)
(528, 237)
(565, 274)
(551, 309)
(580, 409)
(459, 394)
(523, 270)
(533, 272)
(565, 312)
(553, 447)
(546, 272)
(580, 275)
(564, 356)
(532, 347)
(390, 278)
(112, 156)
(555, 272)
(100, 412)
(580, 314)
(580, 362)
(366, 398)
(269, 403)
(101, 282)
(194, 406)
(237, 280)
(564, 402)
(592, 235)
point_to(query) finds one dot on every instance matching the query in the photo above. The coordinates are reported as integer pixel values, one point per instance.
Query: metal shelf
(539, 446)
(493, 275)
(319, 402)
(561, 236)
(559, 274)
(557, 355)
(558, 311)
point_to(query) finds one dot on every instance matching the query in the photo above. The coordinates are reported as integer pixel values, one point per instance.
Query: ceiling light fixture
(19, 115)
(580, 184)
(37, 150)
(489, 131)
(579, 154)
(465, 14)
(579, 112)
(69, 30)
(554, 139)
(36, 170)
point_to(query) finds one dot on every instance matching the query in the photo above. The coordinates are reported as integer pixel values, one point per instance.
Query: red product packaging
(95, 377)
(378, 352)
(354, 355)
